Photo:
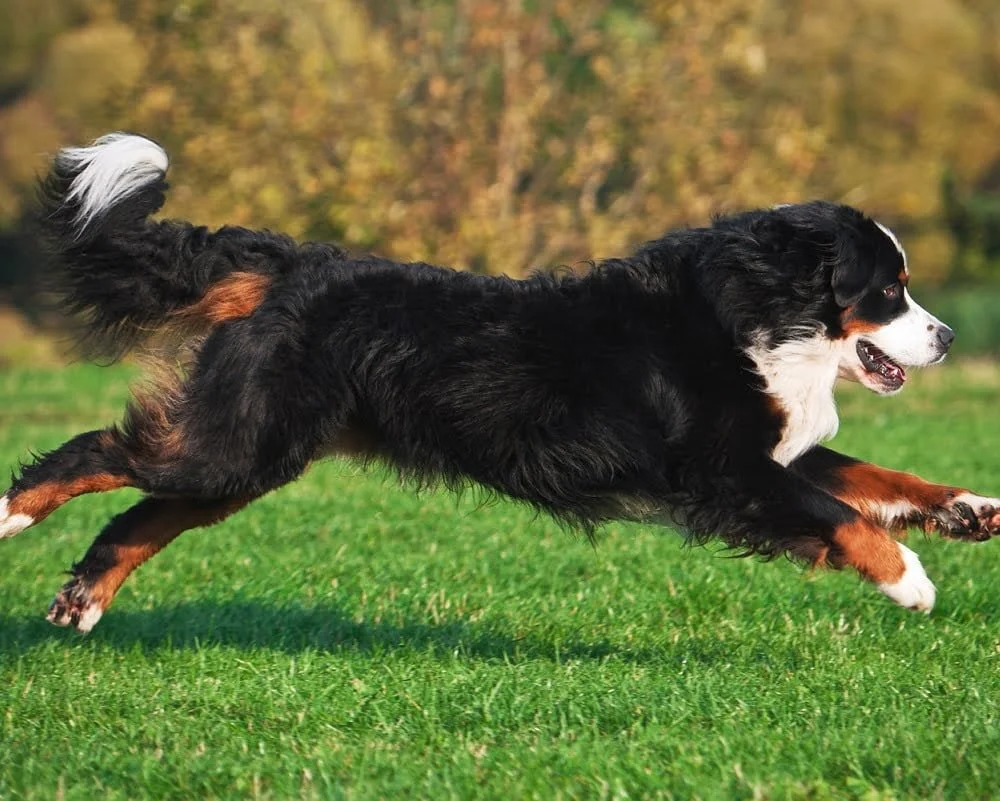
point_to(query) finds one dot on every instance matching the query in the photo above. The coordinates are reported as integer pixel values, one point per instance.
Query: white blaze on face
(912, 338)
(895, 241)
(915, 338)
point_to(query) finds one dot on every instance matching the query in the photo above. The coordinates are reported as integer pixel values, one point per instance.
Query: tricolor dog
(690, 383)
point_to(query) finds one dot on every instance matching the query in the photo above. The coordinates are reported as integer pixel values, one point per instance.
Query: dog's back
(689, 383)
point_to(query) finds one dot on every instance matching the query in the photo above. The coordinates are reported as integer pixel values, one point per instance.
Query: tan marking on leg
(869, 550)
(11, 522)
(40, 501)
(150, 536)
(892, 497)
(82, 601)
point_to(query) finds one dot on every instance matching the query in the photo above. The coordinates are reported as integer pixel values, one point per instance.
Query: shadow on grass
(250, 625)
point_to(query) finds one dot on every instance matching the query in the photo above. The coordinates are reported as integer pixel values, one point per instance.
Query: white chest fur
(800, 375)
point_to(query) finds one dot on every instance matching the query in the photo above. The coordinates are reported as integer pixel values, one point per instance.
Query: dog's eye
(891, 291)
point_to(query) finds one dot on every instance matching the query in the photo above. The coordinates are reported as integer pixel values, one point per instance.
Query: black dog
(689, 383)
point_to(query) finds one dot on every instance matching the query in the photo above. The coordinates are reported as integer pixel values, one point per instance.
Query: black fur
(626, 391)
(124, 274)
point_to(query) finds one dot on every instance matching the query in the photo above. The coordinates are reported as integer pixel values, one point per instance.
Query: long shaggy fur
(630, 391)
(120, 273)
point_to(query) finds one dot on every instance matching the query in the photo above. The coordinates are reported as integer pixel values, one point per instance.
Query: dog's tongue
(876, 361)
(888, 368)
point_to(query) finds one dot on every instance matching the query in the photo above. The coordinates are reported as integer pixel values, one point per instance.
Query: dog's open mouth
(877, 364)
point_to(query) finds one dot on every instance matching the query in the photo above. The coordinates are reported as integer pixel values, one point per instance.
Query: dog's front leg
(898, 500)
(765, 508)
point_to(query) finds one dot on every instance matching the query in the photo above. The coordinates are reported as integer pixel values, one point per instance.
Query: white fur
(88, 617)
(112, 168)
(910, 339)
(800, 375)
(893, 513)
(913, 590)
(979, 505)
(12, 523)
(894, 240)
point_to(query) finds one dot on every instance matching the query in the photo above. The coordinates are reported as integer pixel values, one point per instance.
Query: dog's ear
(851, 276)
(822, 236)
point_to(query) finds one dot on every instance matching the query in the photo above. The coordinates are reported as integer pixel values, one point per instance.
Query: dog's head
(883, 328)
(846, 287)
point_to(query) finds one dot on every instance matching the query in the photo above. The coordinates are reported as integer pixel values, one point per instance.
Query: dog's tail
(127, 277)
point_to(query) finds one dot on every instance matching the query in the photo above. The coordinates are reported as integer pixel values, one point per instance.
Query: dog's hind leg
(92, 462)
(199, 461)
(127, 541)
(190, 485)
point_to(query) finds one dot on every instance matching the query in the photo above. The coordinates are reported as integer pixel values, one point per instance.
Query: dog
(689, 384)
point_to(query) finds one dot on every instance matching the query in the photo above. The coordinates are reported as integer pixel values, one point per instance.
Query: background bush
(501, 135)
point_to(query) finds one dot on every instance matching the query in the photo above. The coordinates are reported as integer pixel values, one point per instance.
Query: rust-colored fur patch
(150, 536)
(41, 501)
(234, 297)
(869, 550)
(153, 415)
(854, 325)
(867, 487)
(158, 438)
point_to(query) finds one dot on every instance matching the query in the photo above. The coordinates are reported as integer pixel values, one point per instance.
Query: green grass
(347, 638)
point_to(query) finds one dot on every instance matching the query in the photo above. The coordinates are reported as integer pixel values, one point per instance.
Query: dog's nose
(945, 336)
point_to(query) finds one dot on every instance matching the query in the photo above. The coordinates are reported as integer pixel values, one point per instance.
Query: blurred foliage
(501, 135)
(972, 312)
(973, 217)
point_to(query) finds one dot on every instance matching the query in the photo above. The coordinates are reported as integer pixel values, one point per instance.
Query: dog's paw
(12, 522)
(75, 606)
(967, 517)
(913, 590)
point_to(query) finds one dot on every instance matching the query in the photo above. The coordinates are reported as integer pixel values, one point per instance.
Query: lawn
(347, 638)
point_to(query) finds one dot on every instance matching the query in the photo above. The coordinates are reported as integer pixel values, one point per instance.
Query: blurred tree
(973, 219)
(505, 134)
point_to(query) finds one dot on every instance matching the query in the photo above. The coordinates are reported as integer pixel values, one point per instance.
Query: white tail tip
(112, 168)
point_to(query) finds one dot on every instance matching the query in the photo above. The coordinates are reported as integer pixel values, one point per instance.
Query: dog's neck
(800, 375)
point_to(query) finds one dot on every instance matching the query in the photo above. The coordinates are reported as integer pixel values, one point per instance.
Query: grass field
(346, 638)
